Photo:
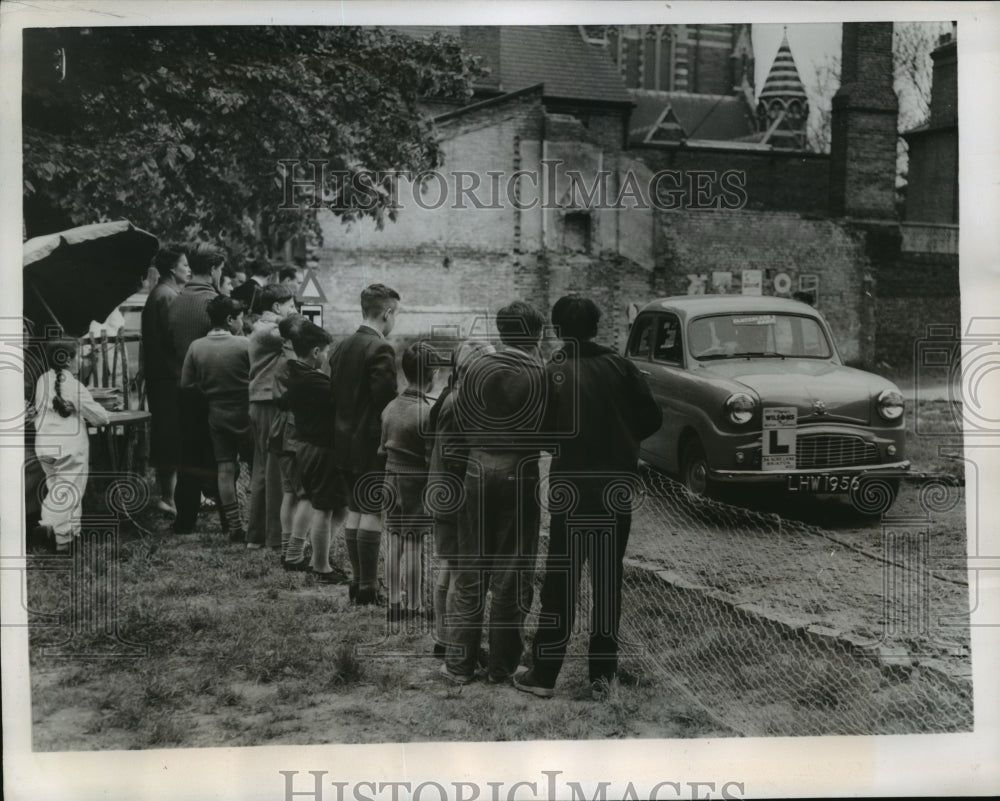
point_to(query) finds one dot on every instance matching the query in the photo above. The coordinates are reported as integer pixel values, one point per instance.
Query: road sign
(311, 291)
(314, 312)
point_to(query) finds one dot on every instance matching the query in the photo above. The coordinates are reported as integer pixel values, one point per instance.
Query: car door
(656, 349)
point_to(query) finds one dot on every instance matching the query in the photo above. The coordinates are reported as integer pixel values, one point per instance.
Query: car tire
(694, 470)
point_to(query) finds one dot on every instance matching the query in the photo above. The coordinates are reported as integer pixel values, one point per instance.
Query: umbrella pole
(48, 308)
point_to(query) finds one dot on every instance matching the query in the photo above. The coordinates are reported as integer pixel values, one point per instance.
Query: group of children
(292, 354)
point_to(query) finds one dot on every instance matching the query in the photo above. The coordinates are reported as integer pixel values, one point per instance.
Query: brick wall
(932, 178)
(863, 133)
(834, 253)
(917, 291)
(774, 181)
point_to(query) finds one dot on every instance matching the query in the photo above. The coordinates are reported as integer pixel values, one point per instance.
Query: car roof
(693, 305)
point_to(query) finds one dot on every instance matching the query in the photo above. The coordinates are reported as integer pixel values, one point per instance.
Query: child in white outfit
(63, 407)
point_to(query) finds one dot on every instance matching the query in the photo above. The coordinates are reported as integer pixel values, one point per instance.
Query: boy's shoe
(237, 535)
(526, 682)
(300, 566)
(254, 546)
(368, 597)
(456, 678)
(439, 650)
(43, 538)
(330, 578)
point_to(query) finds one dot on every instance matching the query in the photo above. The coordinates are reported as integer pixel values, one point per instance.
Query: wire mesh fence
(772, 626)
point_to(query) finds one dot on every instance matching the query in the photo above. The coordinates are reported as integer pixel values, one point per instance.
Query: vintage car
(753, 390)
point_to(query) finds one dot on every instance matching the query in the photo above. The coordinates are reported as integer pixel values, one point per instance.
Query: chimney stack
(865, 111)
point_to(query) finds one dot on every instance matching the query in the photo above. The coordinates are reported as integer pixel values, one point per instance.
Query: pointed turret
(783, 107)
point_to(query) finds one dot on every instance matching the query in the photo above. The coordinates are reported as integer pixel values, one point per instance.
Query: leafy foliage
(181, 129)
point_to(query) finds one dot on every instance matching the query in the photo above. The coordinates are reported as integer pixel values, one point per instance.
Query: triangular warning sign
(311, 291)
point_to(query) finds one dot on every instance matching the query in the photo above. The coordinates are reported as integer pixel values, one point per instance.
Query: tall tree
(181, 130)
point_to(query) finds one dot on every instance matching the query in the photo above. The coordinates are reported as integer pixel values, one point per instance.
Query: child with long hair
(63, 407)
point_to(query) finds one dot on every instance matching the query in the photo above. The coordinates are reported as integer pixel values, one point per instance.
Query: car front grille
(818, 451)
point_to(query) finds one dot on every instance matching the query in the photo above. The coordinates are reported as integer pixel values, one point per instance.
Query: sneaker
(526, 682)
(456, 678)
(330, 578)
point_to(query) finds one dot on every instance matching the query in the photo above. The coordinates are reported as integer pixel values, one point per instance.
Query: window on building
(576, 232)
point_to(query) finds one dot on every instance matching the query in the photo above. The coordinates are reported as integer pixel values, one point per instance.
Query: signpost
(312, 298)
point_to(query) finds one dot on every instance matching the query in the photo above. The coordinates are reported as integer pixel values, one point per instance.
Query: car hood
(819, 390)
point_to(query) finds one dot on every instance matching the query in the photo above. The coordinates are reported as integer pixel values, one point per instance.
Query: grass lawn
(242, 653)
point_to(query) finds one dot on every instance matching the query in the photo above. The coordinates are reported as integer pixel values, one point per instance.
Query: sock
(321, 547)
(230, 514)
(368, 548)
(351, 543)
(295, 549)
(285, 539)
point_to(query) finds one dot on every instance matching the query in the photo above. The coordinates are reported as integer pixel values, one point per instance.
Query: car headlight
(890, 404)
(740, 407)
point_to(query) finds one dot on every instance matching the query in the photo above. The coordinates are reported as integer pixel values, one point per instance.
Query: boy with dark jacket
(363, 381)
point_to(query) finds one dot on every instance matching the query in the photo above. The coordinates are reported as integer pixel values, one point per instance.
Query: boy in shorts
(406, 444)
(218, 366)
(308, 398)
(283, 442)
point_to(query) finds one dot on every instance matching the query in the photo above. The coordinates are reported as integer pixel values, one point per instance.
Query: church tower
(783, 107)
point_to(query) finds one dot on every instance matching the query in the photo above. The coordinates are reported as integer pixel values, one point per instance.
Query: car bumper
(761, 476)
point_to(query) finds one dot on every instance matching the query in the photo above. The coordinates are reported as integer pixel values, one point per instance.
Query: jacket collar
(364, 328)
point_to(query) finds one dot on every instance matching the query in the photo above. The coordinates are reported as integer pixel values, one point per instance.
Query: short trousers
(404, 513)
(322, 481)
(230, 432)
(291, 481)
(364, 492)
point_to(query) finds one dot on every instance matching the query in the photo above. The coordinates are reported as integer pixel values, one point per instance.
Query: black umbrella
(83, 274)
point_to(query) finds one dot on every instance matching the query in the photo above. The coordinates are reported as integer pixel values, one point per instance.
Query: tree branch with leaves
(181, 129)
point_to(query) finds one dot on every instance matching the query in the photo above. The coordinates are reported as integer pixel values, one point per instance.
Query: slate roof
(558, 57)
(783, 80)
(555, 55)
(712, 117)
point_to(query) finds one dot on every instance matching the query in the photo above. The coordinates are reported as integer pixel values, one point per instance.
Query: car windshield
(766, 335)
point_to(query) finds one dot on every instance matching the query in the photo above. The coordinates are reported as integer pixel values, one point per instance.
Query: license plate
(821, 482)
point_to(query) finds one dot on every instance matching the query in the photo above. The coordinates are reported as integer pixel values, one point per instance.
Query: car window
(641, 340)
(668, 340)
(764, 334)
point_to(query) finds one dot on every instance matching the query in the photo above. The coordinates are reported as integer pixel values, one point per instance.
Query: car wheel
(694, 470)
